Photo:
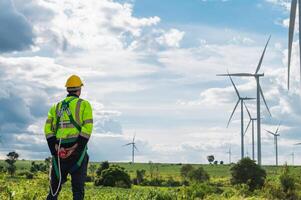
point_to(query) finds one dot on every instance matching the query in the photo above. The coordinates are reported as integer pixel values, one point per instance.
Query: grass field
(18, 187)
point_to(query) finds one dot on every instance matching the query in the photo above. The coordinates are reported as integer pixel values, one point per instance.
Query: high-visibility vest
(81, 112)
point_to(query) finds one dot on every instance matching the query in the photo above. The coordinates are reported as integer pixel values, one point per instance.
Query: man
(68, 128)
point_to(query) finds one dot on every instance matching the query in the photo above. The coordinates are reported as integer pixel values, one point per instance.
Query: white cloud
(172, 38)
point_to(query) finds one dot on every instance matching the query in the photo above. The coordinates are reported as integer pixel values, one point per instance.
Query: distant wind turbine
(276, 135)
(252, 120)
(259, 93)
(291, 36)
(241, 101)
(230, 155)
(133, 148)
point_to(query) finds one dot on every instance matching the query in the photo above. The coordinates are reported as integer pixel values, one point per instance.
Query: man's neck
(72, 95)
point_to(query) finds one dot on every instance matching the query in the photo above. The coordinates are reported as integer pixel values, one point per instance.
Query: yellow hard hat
(74, 82)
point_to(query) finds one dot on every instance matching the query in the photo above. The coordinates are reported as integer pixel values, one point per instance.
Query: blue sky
(149, 68)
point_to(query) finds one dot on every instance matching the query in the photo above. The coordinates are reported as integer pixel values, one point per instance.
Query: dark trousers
(78, 178)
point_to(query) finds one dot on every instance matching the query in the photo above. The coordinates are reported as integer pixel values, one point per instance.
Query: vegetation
(151, 181)
(11, 159)
(114, 176)
(246, 171)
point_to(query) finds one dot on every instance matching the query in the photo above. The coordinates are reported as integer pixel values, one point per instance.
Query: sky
(149, 69)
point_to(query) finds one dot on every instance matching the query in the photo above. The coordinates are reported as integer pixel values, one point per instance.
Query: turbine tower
(259, 93)
(133, 148)
(252, 120)
(291, 36)
(276, 135)
(230, 155)
(241, 101)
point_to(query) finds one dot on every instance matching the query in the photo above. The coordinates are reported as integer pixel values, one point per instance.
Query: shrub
(185, 169)
(104, 165)
(38, 167)
(139, 176)
(198, 175)
(29, 175)
(246, 171)
(114, 176)
(288, 183)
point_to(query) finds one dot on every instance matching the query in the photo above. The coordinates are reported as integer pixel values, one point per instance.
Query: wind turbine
(241, 101)
(291, 36)
(259, 92)
(276, 135)
(252, 120)
(133, 148)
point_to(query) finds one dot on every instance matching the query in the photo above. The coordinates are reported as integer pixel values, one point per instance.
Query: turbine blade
(233, 112)
(136, 147)
(297, 144)
(265, 103)
(134, 137)
(247, 127)
(248, 111)
(127, 144)
(236, 90)
(277, 128)
(270, 132)
(291, 37)
(248, 98)
(262, 56)
(236, 74)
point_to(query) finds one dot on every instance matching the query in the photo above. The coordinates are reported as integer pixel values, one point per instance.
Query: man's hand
(69, 151)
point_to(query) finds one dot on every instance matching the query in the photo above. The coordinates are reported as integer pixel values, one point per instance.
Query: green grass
(37, 188)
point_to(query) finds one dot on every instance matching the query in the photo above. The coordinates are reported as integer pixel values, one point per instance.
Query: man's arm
(87, 126)
(49, 130)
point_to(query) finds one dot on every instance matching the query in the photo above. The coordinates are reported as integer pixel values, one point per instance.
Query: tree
(185, 169)
(11, 159)
(210, 158)
(198, 175)
(215, 162)
(221, 162)
(246, 171)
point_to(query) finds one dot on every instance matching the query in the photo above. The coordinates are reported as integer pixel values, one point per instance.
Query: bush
(198, 175)
(139, 176)
(114, 176)
(246, 171)
(29, 175)
(185, 170)
(288, 183)
(104, 165)
(38, 167)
